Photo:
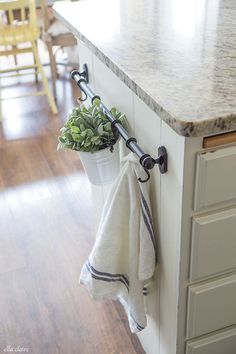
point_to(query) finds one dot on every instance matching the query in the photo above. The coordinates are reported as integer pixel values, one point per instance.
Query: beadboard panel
(147, 130)
(86, 57)
(113, 92)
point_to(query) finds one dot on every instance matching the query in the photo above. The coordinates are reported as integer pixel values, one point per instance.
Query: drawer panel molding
(220, 343)
(215, 178)
(213, 248)
(211, 306)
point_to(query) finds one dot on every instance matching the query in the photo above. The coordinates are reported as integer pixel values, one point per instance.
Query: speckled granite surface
(178, 56)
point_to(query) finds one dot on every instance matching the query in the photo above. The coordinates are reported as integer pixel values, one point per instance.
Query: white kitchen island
(169, 65)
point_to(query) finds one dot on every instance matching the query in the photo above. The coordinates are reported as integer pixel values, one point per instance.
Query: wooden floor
(45, 236)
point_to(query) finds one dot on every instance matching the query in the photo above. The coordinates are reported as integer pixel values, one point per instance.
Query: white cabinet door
(216, 178)
(213, 244)
(220, 343)
(211, 306)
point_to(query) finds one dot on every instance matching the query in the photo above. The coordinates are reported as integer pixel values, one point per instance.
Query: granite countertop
(178, 56)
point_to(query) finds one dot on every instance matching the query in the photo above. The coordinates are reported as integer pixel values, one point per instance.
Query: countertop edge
(181, 127)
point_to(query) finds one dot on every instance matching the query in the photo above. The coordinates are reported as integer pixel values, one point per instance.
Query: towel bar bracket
(146, 161)
(162, 159)
(83, 75)
(83, 78)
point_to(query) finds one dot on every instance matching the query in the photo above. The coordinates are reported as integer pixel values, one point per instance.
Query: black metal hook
(83, 78)
(82, 99)
(148, 162)
(146, 179)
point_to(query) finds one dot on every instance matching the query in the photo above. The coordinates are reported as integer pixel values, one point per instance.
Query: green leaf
(106, 134)
(84, 133)
(98, 141)
(95, 138)
(75, 129)
(96, 102)
(61, 139)
(90, 133)
(77, 137)
(68, 136)
(100, 129)
(83, 109)
(82, 127)
(88, 143)
(107, 126)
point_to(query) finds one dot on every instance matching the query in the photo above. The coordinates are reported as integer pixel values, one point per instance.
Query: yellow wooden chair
(14, 32)
(61, 38)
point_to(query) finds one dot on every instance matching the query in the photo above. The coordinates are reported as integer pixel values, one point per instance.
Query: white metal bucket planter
(102, 166)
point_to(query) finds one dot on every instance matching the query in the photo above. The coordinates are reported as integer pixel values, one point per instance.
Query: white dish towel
(124, 255)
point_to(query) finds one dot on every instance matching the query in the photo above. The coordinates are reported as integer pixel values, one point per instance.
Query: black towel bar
(145, 160)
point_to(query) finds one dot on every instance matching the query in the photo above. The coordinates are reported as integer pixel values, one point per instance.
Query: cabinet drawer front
(220, 343)
(216, 178)
(213, 244)
(211, 306)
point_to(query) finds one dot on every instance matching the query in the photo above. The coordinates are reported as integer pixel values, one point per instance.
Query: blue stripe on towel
(139, 327)
(117, 275)
(150, 231)
(148, 222)
(109, 277)
(106, 276)
(146, 208)
(145, 291)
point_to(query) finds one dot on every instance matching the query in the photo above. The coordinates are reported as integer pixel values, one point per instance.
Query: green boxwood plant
(88, 129)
